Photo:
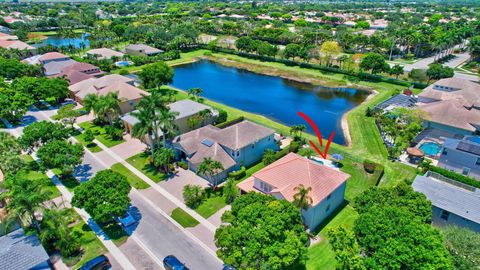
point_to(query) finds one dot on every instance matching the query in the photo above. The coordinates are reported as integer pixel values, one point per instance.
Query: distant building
(453, 203)
(19, 252)
(128, 94)
(280, 179)
(142, 50)
(11, 42)
(186, 110)
(461, 156)
(241, 144)
(464, 91)
(104, 53)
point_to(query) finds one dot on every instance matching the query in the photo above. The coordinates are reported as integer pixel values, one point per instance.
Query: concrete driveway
(174, 185)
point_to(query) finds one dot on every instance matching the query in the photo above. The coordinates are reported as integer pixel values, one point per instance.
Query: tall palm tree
(301, 199)
(163, 157)
(210, 168)
(195, 93)
(166, 120)
(145, 127)
(109, 105)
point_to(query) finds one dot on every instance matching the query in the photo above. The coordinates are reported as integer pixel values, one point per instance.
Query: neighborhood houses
(237, 135)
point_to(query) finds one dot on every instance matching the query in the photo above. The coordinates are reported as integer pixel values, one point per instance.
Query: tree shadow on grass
(322, 225)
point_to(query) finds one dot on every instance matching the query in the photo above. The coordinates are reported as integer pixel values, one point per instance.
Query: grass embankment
(141, 162)
(210, 206)
(34, 173)
(183, 218)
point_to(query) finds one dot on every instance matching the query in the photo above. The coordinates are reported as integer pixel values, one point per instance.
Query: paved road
(163, 238)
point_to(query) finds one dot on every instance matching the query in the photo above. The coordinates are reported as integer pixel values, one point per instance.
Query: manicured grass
(115, 232)
(100, 134)
(69, 181)
(35, 174)
(93, 147)
(134, 180)
(210, 206)
(91, 245)
(52, 33)
(183, 218)
(142, 163)
(321, 255)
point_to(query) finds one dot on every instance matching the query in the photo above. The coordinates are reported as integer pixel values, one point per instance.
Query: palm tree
(163, 157)
(297, 130)
(268, 157)
(145, 126)
(210, 168)
(166, 120)
(55, 228)
(301, 199)
(195, 93)
(103, 106)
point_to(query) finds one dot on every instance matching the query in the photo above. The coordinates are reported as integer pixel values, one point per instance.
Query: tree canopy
(156, 75)
(41, 132)
(60, 154)
(104, 197)
(263, 233)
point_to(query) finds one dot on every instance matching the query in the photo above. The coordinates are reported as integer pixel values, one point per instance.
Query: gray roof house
(19, 252)
(186, 109)
(142, 50)
(241, 144)
(397, 101)
(453, 203)
(461, 156)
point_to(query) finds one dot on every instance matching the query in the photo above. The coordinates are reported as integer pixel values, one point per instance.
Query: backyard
(141, 162)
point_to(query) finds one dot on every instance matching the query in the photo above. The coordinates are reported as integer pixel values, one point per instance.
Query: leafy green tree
(437, 72)
(301, 199)
(210, 168)
(13, 104)
(268, 157)
(60, 154)
(245, 44)
(263, 233)
(56, 231)
(418, 75)
(68, 115)
(346, 248)
(42, 88)
(163, 158)
(13, 68)
(296, 131)
(463, 246)
(42, 132)
(192, 195)
(88, 136)
(396, 70)
(362, 25)
(291, 51)
(104, 197)
(374, 62)
(156, 75)
(330, 49)
(474, 47)
(230, 190)
(10, 151)
(105, 107)
(195, 93)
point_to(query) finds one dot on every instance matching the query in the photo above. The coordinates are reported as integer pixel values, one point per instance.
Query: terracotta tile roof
(452, 113)
(125, 91)
(99, 83)
(15, 44)
(52, 56)
(74, 76)
(4, 36)
(242, 134)
(287, 173)
(466, 92)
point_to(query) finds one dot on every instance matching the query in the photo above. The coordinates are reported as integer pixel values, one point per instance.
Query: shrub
(282, 153)
(238, 174)
(183, 165)
(455, 176)
(123, 72)
(294, 147)
(192, 195)
(222, 116)
(231, 122)
(369, 166)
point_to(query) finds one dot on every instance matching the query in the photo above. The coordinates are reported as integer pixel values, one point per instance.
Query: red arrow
(319, 136)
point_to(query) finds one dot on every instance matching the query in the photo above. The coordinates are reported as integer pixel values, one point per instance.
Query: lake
(274, 97)
(57, 41)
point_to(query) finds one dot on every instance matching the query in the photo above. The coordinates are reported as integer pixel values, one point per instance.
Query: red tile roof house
(280, 179)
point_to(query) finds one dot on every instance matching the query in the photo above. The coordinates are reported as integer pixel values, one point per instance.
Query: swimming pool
(430, 148)
(122, 64)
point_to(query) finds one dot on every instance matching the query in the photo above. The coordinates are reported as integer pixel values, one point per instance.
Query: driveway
(174, 185)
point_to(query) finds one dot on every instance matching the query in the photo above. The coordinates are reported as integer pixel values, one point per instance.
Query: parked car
(98, 263)
(126, 220)
(172, 263)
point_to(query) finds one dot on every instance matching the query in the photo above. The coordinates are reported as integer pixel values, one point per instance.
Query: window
(265, 187)
(477, 162)
(444, 151)
(253, 146)
(329, 196)
(328, 208)
(465, 171)
(445, 215)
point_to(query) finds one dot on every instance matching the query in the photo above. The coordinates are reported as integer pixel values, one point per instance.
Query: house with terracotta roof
(128, 94)
(17, 45)
(281, 178)
(464, 91)
(104, 53)
(241, 144)
(141, 50)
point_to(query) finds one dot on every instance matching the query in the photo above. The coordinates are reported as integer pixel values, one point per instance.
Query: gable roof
(452, 113)
(99, 83)
(18, 251)
(287, 173)
(52, 56)
(15, 44)
(467, 93)
(456, 200)
(105, 53)
(241, 134)
(142, 47)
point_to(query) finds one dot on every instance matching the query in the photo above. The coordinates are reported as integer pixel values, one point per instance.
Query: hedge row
(377, 170)
(455, 176)
(238, 174)
(231, 122)
(361, 75)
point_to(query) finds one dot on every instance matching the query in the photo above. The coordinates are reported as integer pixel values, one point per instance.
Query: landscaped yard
(142, 163)
(115, 232)
(100, 134)
(210, 206)
(34, 173)
(69, 182)
(93, 147)
(134, 180)
(183, 218)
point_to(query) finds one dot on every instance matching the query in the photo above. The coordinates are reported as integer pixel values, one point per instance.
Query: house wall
(455, 160)
(183, 125)
(41, 266)
(447, 128)
(314, 216)
(220, 178)
(57, 59)
(452, 220)
(129, 105)
(135, 52)
(252, 153)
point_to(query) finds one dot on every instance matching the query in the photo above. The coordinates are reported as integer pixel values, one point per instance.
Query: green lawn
(321, 255)
(183, 218)
(210, 206)
(134, 180)
(93, 147)
(142, 163)
(115, 232)
(100, 134)
(91, 245)
(69, 182)
(34, 173)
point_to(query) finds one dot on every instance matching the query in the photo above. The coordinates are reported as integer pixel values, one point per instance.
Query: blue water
(430, 148)
(122, 63)
(276, 98)
(59, 41)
